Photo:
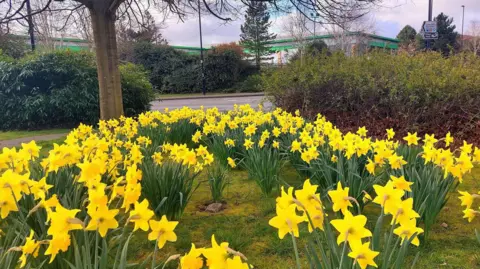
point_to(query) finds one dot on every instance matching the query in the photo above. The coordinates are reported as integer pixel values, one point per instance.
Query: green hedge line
(426, 92)
(60, 89)
(174, 71)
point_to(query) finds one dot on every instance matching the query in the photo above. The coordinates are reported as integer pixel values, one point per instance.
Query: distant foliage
(407, 36)
(447, 36)
(61, 89)
(174, 71)
(426, 92)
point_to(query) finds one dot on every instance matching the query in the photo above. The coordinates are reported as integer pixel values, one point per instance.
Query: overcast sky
(388, 21)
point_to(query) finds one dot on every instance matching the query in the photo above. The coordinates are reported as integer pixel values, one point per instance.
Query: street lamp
(314, 16)
(463, 19)
(201, 48)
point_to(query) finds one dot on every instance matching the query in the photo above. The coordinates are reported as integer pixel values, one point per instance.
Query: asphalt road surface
(222, 103)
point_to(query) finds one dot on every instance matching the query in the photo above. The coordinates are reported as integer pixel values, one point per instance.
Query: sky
(387, 20)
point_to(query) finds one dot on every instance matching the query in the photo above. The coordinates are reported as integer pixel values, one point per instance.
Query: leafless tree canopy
(67, 11)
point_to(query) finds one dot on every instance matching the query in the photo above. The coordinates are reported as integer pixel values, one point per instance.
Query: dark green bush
(61, 89)
(174, 71)
(161, 61)
(424, 93)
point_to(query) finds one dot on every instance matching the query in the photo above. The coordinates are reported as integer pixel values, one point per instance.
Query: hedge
(60, 89)
(426, 92)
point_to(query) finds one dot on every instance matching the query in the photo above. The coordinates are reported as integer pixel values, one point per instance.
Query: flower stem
(297, 258)
(154, 254)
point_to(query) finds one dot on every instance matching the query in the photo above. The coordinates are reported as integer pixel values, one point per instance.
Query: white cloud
(398, 13)
(389, 18)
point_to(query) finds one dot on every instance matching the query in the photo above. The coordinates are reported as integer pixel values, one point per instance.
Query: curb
(211, 96)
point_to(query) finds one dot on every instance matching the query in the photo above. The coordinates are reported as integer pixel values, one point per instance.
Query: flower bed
(81, 205)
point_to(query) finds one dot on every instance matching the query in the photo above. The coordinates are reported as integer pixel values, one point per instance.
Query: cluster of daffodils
(103, 165)
(467, 200)
(197, 158)
(217, 256)
(306, 206)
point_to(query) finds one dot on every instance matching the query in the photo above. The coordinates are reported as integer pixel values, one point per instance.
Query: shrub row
(174, 71)
(426, 92)
(60, 89)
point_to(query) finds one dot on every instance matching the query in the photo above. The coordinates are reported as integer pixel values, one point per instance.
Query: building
(281, 49)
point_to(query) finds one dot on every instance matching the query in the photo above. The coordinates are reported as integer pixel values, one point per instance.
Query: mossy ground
(244, 224)
(19, 134)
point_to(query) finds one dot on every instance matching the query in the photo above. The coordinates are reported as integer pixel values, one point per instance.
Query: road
(222, 103)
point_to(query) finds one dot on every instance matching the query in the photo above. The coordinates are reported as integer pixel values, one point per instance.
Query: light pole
(430, 9)
(201, 48)
(30, 25)
(314, 16)
(463, 19)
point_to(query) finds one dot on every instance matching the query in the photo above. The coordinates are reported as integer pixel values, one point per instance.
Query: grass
(244, 224)
(19, 134)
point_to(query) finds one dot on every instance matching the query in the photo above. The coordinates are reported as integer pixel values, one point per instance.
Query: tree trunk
(104, 35)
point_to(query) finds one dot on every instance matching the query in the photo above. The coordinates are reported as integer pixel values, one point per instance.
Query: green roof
(288, 40)
(188, 48)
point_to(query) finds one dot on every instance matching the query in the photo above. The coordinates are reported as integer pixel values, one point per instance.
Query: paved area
(222, 103)
(17, 142)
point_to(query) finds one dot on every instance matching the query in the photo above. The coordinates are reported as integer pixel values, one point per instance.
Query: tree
(129, 34)
(296, 26)
(447, 36)
(472, 42)
(255, 31)
(407, 36)
(103, 14)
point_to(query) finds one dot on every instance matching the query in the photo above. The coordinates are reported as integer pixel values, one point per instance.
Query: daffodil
(236, 263)
(30, 247)
(388, 197)
(351, 228)
(412, 139)
(231, 162)
(466, 199)
(362, 254)
(286, 221)
(407, 229)
(248, 144)
(192, 259)
(141, 215)
(102, 219)
(390, 133)
(340, 198)
(162, 231)
(400, 183)
(217, 255)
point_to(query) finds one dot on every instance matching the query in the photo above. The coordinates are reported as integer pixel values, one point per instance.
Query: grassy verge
(19, 134)
(245, 225)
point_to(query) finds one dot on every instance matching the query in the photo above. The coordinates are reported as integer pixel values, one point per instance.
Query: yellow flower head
(412, 139)
(236, 263)
(286, 221)
(162, 231)
(216, 255)
(400, 183)
(141, 215)
(192, 259)
(30, 247)
(231, 162)
(407, 229)
(388, 197)
(362, 254)
(340, 198)
(351, 228)
(390, 134)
